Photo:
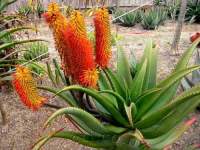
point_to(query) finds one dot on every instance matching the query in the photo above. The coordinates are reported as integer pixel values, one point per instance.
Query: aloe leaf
(123, 67)
(101, 100)
(151, 56)
(115, 82)
(50, 74)
(103, 82)
(169, 88)
(11, 44)
(143, 102)
(155, 117)
(130, 112)
(114, 129)
(13, 30)
(120, 100)
(89, 120)
(59, 71)
(138, 81)
(83, 139)
(183, 61)
(171, 120)
(170, 137)
(63, 96)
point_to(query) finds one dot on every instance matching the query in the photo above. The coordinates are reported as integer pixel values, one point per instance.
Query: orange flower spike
(57, 23)
(84, 67)
(25, 87)
(103, 37)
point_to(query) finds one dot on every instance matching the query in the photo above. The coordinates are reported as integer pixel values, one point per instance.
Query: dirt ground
(24, 127)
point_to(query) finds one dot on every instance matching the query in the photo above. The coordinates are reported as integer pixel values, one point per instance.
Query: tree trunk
(179, 26)
(117, 4)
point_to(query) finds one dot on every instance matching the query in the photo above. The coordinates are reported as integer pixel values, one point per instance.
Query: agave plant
(130, 19)
(128, 108)
(153, 19)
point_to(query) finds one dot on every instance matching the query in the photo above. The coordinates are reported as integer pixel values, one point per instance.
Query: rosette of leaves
(130, 109)
(193, 11)
(34, 50)
(152, 19)
(130, 19)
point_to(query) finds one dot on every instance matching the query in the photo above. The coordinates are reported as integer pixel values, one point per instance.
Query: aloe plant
(153, 18)
(132, 110)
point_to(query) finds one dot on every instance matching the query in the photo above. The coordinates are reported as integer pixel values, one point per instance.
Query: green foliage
(24, 10)
(132, 110)
(193, 11)
(9, 45)
(130, 19)
(34, 50)
(118, 13)
(114, 38)
(153, 18)
(127, 20)
(27, 9)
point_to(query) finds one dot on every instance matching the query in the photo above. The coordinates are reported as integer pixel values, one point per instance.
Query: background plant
(153, 18)
(34, 50)
(193, 11)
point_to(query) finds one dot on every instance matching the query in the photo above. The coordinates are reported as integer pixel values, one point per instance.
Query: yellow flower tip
(77, 23)
(52, 13)
(53, 7)
(89, 78)
(25, 87)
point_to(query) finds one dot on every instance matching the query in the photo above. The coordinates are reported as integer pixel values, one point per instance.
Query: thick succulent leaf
(168, 87)
(83, 139)
(104, 101)
(170, 137)
(123, 67)
(103, 82)
(114, 129)
(155, 117)
(128, 136)
(11, 44)
(120, 100)
(183, 61)
(7, 32)
(151, 56)
(138, 81)
(64, 96)
(143, 103)
(61, 74)
(171, 120)
(50, 74)
(131, 112)
(89, 120)
(115, 82)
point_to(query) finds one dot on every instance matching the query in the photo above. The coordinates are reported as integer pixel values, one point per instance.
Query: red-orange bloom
(84, 69)
(103, 37)
(194, 37)
(58, 23)
(25, 87)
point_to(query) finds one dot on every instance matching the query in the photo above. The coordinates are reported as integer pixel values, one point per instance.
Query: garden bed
(24, 127)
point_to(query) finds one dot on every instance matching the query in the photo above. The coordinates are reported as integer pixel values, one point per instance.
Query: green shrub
(193, 11)
(34, 50)
(114, 38)
(24, 10)
(153, 18)
(118, 13)
(130, 19)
